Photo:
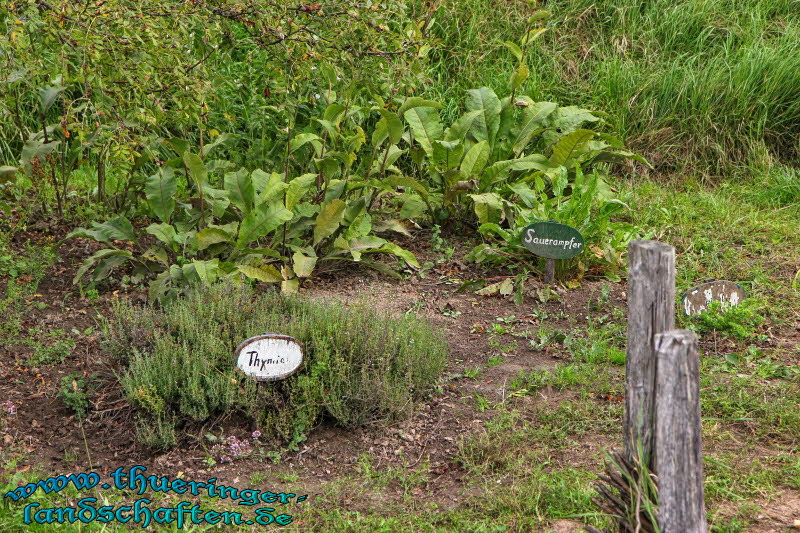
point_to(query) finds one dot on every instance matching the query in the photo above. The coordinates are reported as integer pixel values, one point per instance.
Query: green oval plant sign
(552, 240)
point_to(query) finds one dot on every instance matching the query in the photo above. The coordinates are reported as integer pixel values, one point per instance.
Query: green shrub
(738, 321)
(587, 204)
(360, 367)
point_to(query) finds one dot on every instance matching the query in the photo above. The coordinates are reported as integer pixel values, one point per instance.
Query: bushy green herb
(737, 321)
(587, 205)
(360, 367)
(73, 392)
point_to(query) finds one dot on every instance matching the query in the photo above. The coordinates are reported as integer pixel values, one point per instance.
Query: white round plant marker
(269, 357)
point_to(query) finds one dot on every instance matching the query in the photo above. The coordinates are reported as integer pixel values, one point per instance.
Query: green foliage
(504, 152)
(50, 348)
(242, 223)
(737, 321)
(20, 272)
(691, 84)
(73, 392)
(101, 85)
(779, 188)
(588, 206)
(360, 367)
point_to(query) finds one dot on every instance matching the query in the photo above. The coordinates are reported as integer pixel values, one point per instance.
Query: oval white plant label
(269, 357)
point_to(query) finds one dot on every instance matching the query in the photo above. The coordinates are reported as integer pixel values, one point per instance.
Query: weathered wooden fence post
(678, 455)
(651, 310)
(662, 408)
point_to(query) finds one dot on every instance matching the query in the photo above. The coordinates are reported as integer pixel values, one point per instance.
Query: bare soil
(48, 437)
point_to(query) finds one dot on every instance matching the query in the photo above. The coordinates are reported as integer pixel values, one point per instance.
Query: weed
(494, 360)
(472, 373)
(547, 337)
(482, 404)
(737, 321)
(55, 347)
(73, 393)
(258, 478)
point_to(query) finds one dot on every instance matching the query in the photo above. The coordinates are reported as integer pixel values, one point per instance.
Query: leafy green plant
(359, 367)
(151, 73)
(737, 321)
(588, 206)
(257, 225)
(50, 348)
(499, 148)
(472, 373)
(73, 392)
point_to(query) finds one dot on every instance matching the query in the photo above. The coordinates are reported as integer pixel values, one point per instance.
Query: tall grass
(709, 85)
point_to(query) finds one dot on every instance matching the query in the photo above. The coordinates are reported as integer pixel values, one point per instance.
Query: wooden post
(678, 456)
(549, 270)
(651, 310)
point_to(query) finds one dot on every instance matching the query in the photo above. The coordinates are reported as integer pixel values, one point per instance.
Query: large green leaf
(334, 112)
(115, 229)
(486, 125)
(416, 101)
(212, 235)
(408, 181)
(459, 129)
(240, 190)
(266, 273)
(106, 253)
(402, 253)
(385, 160)
(260, 179)
(48, 96)
(272, 187)
(328, 219)
(262, 221)
(290, 286)
(497, 171)
(159, 189)
(391, 225)
(33, 150)
(297, 188)
(569, 146)
(197, 169)
(380, 133)
(488, 207)
(217, 198)
(425, 125)
(475, 159)
(566, 120)
(303, 264)
(532, 122)
(302, 139)
(163, 232)
(447, 154)
(205, 271)
(218, 141)
(394, 126)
